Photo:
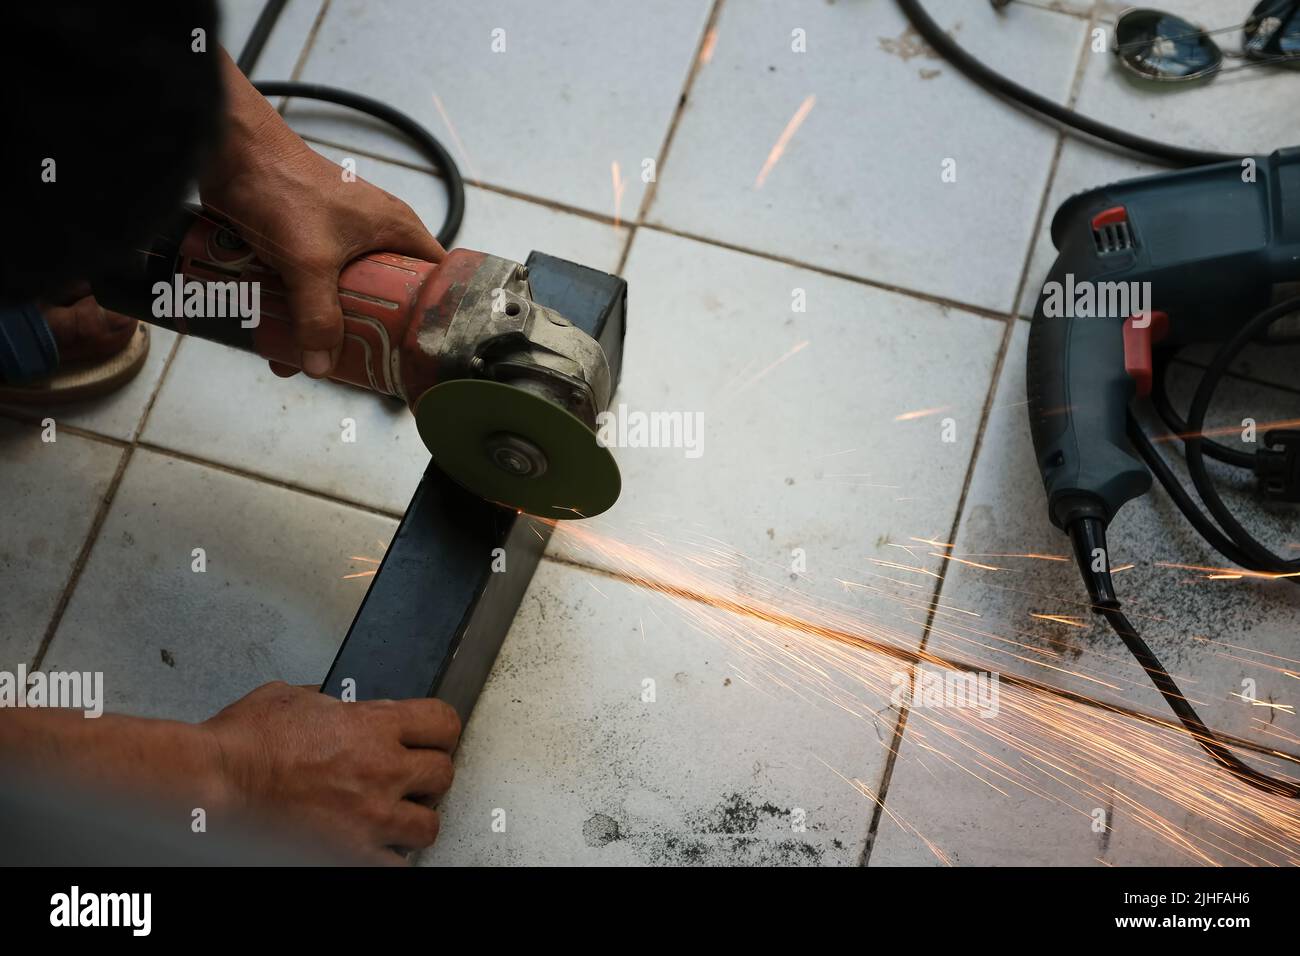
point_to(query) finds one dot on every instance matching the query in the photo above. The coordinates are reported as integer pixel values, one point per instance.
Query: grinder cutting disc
(511, 446)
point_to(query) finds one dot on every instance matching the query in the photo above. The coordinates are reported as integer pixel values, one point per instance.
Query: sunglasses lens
(1164, 47)
(1272, 29)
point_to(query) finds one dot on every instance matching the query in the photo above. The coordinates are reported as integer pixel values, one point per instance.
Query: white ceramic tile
(1041, 801)
(283, 46)
(272, 605)
(1178, 611)
(810, 470)
(1237, 113)
(119, 413)
(49, 493)
(858, 188)
(227, 406)
(954, 809)
(565, 752)
(578, 86)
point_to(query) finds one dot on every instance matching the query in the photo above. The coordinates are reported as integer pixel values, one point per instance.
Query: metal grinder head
(514, 416)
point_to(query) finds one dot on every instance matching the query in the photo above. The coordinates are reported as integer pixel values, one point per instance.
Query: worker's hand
(302, 216)
(357, 773)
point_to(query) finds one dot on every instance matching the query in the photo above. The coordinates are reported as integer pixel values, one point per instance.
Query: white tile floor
(828, 321)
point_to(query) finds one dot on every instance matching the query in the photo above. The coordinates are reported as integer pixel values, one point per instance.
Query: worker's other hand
(358, 774)
(303, 216)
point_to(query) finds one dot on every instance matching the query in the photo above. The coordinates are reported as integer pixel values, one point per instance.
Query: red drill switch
(1138, 340)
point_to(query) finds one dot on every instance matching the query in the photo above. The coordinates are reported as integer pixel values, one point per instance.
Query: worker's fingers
(406, 235)
(412, 826)
(431, 772)
(282, 370)
(429, 723)
(312, 290)
(382, 856)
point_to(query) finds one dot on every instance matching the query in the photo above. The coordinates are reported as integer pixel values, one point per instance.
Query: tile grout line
(710, 26)
(982, 311)
(312, 32)
(1012, 320)
(555, 206)
(1133, 712)
(261, 479)
(900, 726)
(101, 514)
(301, 62)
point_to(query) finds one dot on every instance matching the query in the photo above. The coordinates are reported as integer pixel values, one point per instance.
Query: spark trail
(1083, 751)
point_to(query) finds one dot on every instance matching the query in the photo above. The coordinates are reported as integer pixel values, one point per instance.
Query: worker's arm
(302, 216)
(349, 774)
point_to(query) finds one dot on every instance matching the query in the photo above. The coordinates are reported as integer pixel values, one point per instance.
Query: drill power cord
(1237, 545)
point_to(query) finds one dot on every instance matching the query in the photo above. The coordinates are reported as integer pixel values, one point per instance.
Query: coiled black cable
(1164, 407)
(1000, 85)
(421, 137)
(1260, 557)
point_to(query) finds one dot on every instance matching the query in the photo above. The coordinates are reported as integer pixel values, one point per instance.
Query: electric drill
(1194, 254)
(506, 393)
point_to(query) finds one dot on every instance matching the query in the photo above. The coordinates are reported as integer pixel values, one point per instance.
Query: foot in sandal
(86, 332)
(95, 351)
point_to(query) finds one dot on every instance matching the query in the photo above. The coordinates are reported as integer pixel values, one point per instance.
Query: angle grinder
(505, 392)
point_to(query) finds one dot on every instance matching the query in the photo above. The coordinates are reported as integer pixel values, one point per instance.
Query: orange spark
(620, 187)
(784, 139)
(1049, 742)
(973, 564)
(710, 41)
(1228, 573)
(788, 354)
(1285, 708)
(464, 153)
(920, 413)
(902, 567)
(1067, 619)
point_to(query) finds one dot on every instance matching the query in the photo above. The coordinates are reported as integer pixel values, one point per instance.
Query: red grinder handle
(387, 300)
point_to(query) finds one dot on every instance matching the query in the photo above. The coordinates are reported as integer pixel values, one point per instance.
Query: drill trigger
(1140, 334)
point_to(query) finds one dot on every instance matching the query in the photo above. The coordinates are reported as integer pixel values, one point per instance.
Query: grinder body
(1212, 247)
(500, 385)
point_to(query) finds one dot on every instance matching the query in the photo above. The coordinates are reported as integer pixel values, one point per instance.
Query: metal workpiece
(437, 612)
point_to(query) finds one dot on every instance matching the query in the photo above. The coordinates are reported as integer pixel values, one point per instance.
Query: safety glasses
(1164, 47)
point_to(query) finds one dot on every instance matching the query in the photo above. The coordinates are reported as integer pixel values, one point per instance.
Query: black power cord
(421, 137)
(1237, 545)
(996, 83)
(1187, 714)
